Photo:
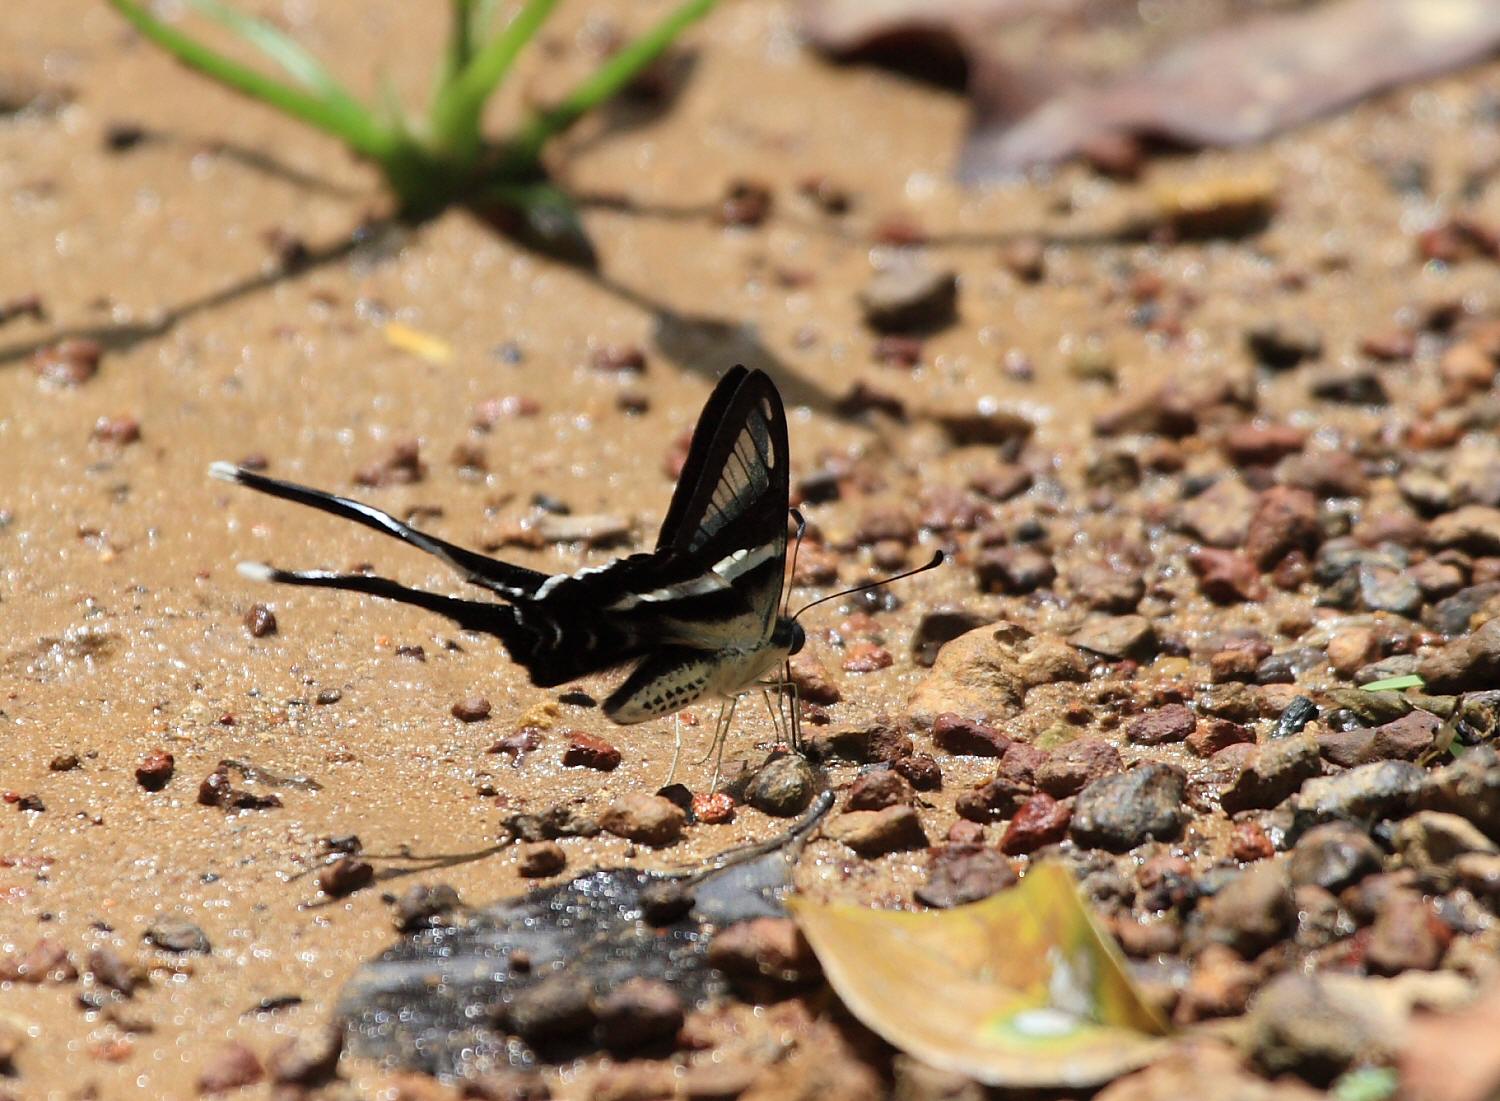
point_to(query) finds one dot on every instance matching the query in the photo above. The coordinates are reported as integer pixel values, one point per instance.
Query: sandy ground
(122, 614)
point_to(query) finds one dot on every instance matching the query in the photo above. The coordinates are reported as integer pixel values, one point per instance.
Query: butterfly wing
(727, 520)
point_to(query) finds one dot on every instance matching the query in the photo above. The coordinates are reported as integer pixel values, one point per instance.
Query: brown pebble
(492, 411)
(874, 832)
(1407, 935)
(811, 678)
(648, 819)
(920, 771)
(108, 969)
(638, 1012)
(232, 1067)
(119, 431)
(618, 359)
(1072, 767)
(1247, 842)
(1172, 723)
(1389, 345)
(71, 362)
(587, 751)
(403, 466)
(64, 762)
(764, 955)
(25, 305)
(1263, 444)
(48, 961)
(471, 709)
(308, 1059)
(425, 906)
(1218, 734)
(1002, 482)
(155, 770)
(878, 790)
(1025, 258)
(540, 859)
(260, 621)
(1225, 577)
(898, 351)
(345, 876)
(828, 196)
(468, 455)
(747, 203)
(1285, 519)
(867, 657)
(964, 832)
(960, 874)
(955, 734)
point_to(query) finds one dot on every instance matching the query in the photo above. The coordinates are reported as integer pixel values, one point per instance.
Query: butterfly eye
(799, 637)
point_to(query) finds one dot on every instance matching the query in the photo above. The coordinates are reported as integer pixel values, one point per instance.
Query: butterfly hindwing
(667, 680)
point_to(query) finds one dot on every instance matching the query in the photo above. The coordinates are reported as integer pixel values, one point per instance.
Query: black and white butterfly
(701, 615)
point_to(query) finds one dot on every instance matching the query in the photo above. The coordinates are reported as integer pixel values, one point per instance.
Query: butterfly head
(788, 635)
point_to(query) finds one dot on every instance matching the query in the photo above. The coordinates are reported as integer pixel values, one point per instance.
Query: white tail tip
(255, 571)
(225, 472)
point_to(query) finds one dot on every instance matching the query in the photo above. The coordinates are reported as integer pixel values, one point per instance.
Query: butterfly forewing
(728, 514)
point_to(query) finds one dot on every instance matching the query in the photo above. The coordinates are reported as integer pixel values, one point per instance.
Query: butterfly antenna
(796, 548)
(938, 558)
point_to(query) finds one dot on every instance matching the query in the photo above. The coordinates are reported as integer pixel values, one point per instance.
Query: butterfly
(700, 615)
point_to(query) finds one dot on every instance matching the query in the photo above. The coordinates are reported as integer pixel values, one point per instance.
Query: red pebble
(715, 809)
(1249, 842)
(590, 752)
(1042, 820)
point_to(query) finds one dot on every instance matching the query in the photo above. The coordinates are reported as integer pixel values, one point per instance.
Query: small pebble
(783, 787)
(260, 621)
(155, 770)
(587, 751)
(174, 934)
(471, 709)
(345, 876)
(69, 363)
(909, 298)
(232, 1067)
(648, 819)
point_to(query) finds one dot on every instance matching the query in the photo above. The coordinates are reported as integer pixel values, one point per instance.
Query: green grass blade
(603, 83)
(460, 48)
(482, 18)
(300, 65)
(459, 104)
(355, 127)
(1394, 684)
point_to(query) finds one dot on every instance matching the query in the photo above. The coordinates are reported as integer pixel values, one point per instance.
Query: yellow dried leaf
(1021, 989)
(424, 346)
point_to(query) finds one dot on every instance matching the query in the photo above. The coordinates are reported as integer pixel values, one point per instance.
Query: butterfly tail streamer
(552, 648)
(499, 577)
(470, 615)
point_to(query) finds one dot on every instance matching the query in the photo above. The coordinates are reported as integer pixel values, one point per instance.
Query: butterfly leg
(676, 748)
(795, 715)
(721, 737)
(777, 725)
(788, 725)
